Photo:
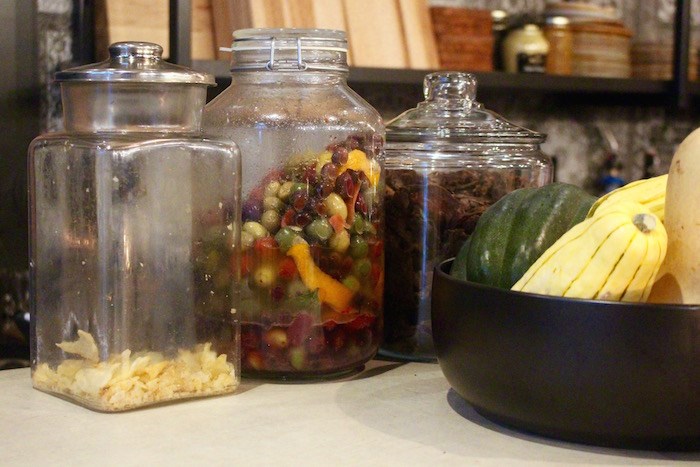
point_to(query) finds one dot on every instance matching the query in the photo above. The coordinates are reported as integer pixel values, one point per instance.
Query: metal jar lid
(450, 114)
(137, 62)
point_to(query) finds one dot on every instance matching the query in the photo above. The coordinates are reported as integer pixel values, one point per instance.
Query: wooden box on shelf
(464, 38)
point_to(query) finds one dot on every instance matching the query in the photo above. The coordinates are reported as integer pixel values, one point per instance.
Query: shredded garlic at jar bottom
(126, 381)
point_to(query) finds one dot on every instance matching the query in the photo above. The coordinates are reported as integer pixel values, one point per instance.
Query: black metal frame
(681, 54)
(83, 20)
(180, 32)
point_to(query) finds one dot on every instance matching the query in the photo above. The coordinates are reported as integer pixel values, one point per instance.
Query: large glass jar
(447, 161)
(313, 256)
(134, 239)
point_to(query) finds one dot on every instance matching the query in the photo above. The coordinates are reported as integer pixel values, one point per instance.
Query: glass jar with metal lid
(312, 153)
(134, 237)
(447, 161)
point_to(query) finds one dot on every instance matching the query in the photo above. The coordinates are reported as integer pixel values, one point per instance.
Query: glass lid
(451, 114)
(139, 62)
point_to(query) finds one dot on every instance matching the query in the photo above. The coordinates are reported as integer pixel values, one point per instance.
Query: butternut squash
(679, 278)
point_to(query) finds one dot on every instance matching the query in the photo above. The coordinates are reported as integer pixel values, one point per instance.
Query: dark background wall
(19, 124)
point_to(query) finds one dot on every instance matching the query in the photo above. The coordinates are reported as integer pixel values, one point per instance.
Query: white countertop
(391, 414)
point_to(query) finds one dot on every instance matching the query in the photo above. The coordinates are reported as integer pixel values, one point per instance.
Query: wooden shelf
(675, 94)
(546, 84)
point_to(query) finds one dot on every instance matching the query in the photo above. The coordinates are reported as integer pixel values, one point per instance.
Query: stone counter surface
(390, 414)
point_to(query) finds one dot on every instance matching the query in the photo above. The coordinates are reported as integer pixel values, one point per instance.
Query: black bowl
(605, 373)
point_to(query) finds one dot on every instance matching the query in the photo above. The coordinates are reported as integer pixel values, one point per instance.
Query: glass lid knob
(135, 50)
(449, 86)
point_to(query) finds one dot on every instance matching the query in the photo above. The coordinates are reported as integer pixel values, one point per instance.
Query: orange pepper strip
(330, 291)
(357, 160)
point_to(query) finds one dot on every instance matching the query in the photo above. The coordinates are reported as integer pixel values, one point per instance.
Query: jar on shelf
(134, 239)
(313, 187)
(525, 50)
(560, 36)
(447, 161)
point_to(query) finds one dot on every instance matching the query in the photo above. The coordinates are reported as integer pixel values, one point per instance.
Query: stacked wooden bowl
(602, 49)
(653, 60)
(602, 43)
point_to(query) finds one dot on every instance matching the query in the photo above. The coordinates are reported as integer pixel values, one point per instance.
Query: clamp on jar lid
(451, 114)
(289, 50)
(137, 62)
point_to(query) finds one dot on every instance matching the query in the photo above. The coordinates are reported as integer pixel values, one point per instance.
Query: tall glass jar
(313, 186)
(447, 161)
(134, 236)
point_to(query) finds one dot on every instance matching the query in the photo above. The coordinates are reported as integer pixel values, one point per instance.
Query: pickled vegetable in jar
(312, 260)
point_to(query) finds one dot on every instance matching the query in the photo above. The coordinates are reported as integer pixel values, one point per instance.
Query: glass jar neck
(289, 51)
(306, 78)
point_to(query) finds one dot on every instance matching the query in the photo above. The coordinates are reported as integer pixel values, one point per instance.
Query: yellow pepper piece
(357, 160)
(330, 291)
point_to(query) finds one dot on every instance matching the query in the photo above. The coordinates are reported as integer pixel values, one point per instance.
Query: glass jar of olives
(312, 235)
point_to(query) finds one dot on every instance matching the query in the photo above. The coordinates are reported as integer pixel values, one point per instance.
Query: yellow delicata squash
(613, 255)
(650, 192)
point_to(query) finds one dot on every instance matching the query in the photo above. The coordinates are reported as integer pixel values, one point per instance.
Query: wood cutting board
(298, 14)
(329, 14)
(375, 33)
(421, 48)
(266, 13)
(229, 16)
(147, 20)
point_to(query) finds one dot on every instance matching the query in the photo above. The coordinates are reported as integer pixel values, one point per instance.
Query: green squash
(518, 228)
(459, 265)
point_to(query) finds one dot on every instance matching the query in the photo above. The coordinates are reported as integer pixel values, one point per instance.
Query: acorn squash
(518, 228)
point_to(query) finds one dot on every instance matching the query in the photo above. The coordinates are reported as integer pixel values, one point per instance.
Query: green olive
(370, 229)
(358, 224)
(285, 238)
(335, 205)
(362, 267)
(263, 277)
(358, 247)
(272, 203)
(297, 358)
(271, 220)
(285, 190)
(272, 188)
(352, 283)
(247, 240)
(320, 229)
(256, 229)
(340, 241)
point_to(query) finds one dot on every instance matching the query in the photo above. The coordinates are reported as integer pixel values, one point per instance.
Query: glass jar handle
(450, 89)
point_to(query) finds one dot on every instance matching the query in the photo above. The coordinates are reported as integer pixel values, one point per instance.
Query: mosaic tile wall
(573, 131)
